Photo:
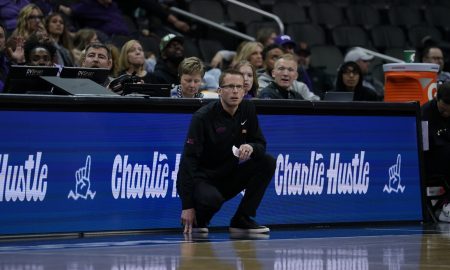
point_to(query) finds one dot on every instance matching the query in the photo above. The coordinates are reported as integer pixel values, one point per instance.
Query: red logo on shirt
(190, 141)
(220, 130)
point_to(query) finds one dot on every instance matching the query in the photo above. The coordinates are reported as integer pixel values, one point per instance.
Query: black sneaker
(244, 224)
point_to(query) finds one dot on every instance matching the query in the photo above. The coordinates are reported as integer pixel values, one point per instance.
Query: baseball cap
(284, 40)
(356, 54)
(169, 38)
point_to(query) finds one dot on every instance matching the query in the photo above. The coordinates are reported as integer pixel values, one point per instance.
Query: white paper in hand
(235, 151)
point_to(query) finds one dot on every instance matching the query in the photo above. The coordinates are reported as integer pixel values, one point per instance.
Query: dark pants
(253, 175)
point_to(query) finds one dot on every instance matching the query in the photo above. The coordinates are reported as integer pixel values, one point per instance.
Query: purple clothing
(90, 13)
(4, 70)
(45, 6)
(9, 11)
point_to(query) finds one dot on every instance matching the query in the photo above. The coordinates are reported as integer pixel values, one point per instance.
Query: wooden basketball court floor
(393, 247)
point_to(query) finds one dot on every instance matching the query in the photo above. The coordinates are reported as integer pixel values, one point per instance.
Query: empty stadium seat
(150, 44)
(208, 9)
(208, 48)
(405, 16)
(312, 34)
(386, 36)
(417, 33)
(326, 14)
(242, 15)
(191, 48)
(290, 12)
(363, 15)
(349, 36)
(252, 28)
(438, 16)
(327, 57)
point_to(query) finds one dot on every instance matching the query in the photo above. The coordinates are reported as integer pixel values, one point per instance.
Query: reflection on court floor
(412, 247)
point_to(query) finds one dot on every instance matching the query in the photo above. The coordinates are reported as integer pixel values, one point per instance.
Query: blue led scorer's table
(89, 164)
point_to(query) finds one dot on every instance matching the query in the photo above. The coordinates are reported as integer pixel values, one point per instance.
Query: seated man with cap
(363, 60)
(172, 53)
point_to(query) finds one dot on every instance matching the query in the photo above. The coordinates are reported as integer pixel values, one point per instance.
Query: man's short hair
(443, 92)
(286, 57)
(33, 43)
(191, 65)
(270, 47)
(98, 45)
(231, 71)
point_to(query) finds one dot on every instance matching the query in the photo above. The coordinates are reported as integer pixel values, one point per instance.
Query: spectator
(30, 20)
(281, 83)
(102, 15)
(9, 13)
(38, 53)
(191, 72)
(172, 53)
(266, 36)
(433, 54)
(98, 55)
(217, 165)
(284, 74)
(437, 113)
(349, 79)
(4, 63)
(115, 55)
(363, 60)
(57, 31)
(315, 78)
(250, 78)
(252, 52)
(287, 43)
(271, 54)
(132, 60)
(83, 38)
(291, 47)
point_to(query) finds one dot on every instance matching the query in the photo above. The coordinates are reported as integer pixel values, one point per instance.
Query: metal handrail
(262, 12)
(212, 23)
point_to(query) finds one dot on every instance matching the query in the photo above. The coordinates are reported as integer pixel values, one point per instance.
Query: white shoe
(445, 213)
(200, 230)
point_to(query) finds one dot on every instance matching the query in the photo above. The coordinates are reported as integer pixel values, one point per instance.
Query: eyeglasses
(35, 17)
(232, 86)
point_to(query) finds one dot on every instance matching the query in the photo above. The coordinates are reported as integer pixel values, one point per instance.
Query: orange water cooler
(410, 82)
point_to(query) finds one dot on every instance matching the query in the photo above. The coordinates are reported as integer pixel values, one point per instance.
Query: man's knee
(209, 200)
(268, 164)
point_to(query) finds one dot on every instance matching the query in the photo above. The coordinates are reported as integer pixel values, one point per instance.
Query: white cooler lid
(411, 67)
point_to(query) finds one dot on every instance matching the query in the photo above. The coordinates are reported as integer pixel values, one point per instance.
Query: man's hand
(245, 150)
(188, 219)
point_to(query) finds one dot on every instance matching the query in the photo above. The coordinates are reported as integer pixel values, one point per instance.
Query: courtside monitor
(338, 96)
(27, 79)
(98, 75)
(148, 89)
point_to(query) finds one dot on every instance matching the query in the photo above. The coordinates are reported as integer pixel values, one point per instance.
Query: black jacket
(208, 147)
(163, 74)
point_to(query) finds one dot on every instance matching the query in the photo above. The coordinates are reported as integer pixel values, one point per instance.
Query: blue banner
(102, 171)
